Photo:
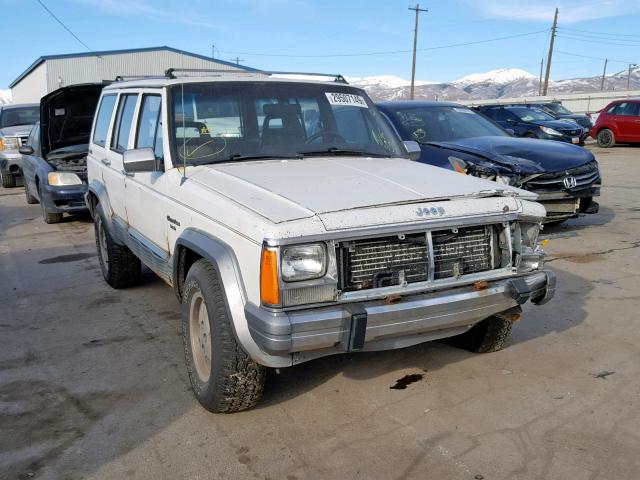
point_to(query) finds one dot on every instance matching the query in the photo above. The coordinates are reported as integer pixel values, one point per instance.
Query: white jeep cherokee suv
(292, 224)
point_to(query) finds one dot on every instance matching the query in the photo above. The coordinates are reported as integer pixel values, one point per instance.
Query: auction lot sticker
(346, 99)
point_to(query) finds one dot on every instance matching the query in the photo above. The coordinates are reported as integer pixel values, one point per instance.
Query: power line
(592, 58)
(591, 32)
(389, 52)
(599, 42)
(63, 25)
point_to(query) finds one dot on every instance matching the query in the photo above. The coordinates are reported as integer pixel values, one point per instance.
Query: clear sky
(330, 27)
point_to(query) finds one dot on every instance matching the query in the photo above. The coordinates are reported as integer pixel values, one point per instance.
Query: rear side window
(150, 125)
(103, 120)
(626, 108)
(124, 120)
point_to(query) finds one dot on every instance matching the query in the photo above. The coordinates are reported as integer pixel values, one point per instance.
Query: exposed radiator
(394, 260)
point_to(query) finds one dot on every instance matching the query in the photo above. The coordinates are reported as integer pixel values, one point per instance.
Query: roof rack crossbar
(336, 76)
(123, 78)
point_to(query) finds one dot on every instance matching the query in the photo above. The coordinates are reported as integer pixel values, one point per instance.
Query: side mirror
(510, 131)
(26, 150)
(413, 149)
(139, 160)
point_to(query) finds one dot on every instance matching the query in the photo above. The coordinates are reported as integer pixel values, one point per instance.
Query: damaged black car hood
(522, 155)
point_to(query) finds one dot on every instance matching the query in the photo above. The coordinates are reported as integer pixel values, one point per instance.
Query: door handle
(106, 161)
(127, 174)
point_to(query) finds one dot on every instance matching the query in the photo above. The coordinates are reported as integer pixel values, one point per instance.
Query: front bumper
(11, 162)
(64, 199)
(567, 204)
(377, 325)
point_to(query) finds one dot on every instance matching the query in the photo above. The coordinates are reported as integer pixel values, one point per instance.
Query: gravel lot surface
(93, 383)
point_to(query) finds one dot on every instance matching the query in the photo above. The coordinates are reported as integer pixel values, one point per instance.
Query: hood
(283, 190)
(16, 131)
(66, 116)
(557, 124)
(531, 155)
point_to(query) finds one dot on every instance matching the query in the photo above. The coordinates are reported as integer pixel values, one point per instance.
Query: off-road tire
(235, 381)
(49, 217)
(30, 198)
(605, 138)
(8, 180)
(121, 268)
(490, 335)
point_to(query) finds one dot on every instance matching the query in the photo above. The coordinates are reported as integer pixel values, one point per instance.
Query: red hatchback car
(618, 122)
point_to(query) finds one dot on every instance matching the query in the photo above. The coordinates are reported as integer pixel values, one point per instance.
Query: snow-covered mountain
(5, 96)
(502, 83)
(501, 76)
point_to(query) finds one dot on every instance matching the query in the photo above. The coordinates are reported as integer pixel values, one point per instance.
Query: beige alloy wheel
(200, 333)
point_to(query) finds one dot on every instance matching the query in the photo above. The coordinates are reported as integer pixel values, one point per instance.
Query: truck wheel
(120, 267)
(223, 376)
(30, 198)
(47, 216)
(606, 138)
(487, 336)
(8, 180)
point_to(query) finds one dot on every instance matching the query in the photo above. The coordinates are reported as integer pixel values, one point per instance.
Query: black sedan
(54, 160)
(565, 177)
(534, 123)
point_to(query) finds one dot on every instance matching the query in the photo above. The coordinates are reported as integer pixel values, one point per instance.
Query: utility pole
(631, 65)
(238, 60)
(213, 51)
(604, 73)
(550, 56)
(540, 80)
(417, 9)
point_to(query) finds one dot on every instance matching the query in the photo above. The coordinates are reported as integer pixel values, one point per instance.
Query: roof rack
(124, 78)
(172, 73)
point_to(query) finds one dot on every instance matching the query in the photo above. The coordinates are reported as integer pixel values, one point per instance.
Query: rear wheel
(8, 180)
(606, 138)
(490, 335)
(120, 267)
(223, 377)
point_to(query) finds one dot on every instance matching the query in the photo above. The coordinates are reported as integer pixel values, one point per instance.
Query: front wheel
(30, 198)
(47, 216)
(223, 377)
(8, 180)
(490, 335)
(605, 138)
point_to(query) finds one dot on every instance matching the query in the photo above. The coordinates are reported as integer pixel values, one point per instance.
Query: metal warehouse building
(51, 72)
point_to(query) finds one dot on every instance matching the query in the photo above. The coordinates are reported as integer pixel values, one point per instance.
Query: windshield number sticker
(346, 99)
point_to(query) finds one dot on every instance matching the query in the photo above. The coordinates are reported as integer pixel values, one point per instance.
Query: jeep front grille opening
(462, 251)
(383, 262)
(398, 260)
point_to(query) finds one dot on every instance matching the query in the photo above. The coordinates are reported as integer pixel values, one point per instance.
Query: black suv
(530, 122)
(559, 111)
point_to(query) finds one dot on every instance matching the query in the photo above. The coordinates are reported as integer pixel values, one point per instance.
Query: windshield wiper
(238, 157)
(343, 151)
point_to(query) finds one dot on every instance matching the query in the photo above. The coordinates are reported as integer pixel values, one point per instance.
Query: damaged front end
(564, 194)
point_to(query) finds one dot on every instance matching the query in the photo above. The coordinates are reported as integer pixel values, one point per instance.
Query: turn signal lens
(269, 289)
(1, 144)
(458, 165)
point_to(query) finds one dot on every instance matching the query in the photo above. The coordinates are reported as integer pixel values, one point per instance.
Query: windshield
(12, 117)
(441, 124)
(558, 109)
(226, 121)
(530, 114)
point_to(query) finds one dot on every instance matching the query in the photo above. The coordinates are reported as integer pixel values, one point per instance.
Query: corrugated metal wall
(32, 87)
(68, 71)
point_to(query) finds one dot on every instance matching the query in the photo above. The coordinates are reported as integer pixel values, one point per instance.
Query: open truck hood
(66, 116)
(284, 190)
